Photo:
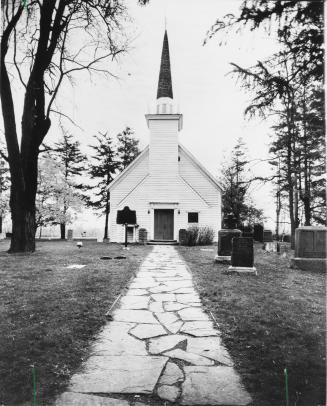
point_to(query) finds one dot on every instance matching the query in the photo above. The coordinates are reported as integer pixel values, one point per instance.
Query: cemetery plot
(267, 322)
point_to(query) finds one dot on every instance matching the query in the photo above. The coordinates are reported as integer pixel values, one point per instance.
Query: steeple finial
(165, 88)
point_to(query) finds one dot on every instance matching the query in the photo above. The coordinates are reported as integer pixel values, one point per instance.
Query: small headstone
(267, 236)
(242, 255)
(143, 236)
(286, 238)
(69, 234)
(310, 248)
(270, 246)
(182, 236)
(247, 232)
(283, 249)
(258, 232)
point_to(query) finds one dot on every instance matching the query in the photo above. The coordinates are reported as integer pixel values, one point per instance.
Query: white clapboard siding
(159, 180)
(197, 178)
(163, 161)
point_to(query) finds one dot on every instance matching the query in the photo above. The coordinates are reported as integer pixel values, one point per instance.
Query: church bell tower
(165, 125)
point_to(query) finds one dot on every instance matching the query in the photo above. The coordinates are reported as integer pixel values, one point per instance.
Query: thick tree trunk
(0, 224)
(63, 231)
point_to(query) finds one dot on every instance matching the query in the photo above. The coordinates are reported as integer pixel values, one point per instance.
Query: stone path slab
(123, 374)
(160, 343)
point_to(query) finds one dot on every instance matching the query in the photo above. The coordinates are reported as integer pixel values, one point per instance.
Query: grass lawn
(270, 322)
(50, 314)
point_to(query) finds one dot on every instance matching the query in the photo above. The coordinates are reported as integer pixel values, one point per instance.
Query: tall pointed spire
(165, 88)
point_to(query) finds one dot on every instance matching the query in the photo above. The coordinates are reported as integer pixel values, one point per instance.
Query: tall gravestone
(258, 232)
(225, 237)
(310, 248)
(242, 256)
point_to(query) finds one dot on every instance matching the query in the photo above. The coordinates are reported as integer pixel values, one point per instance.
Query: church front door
(163, 224)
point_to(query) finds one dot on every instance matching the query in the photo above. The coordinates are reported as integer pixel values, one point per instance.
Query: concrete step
(163, 242)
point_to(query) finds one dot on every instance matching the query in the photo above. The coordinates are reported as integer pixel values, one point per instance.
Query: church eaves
(165, 88)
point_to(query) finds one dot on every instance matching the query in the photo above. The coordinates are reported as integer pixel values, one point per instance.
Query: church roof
(165, 88)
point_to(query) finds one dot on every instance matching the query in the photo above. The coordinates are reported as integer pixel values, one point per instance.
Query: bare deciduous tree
(43, 44)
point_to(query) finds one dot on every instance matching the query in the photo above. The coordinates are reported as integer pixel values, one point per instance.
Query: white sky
(211, 101)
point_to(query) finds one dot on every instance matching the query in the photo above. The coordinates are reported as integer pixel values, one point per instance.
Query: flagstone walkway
(160, 346)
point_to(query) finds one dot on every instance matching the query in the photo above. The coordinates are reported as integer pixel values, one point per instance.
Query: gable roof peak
(165, 88)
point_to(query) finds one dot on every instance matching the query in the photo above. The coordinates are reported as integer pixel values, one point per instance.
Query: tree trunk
(107, 218)
(63, 231)
(0, 224)
(23, 225)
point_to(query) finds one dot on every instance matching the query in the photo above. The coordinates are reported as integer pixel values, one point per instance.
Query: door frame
(163, 205)
(170, 213)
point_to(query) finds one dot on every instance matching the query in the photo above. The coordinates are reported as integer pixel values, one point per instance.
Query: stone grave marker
(310, 248)
(69, 234)
(282, 249)
(258, 232)
(268, 243)
(242, 256)
(225, 237)
(267, 236)
(248, 232)
(143, 236)
(182, 236)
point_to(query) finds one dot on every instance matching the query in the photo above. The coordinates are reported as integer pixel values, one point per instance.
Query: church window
(193, 217)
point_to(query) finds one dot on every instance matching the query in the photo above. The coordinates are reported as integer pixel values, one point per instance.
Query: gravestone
(247, 232)
(282, 249)
(270, 246)
(143, 236)
(267, 236)
(69, 234)
(310, 248)
(258, 232)
(182, 236)
(242, 256)
(286, 238)
(225, 237)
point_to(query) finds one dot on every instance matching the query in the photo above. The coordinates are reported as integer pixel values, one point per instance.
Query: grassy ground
(49, 314)
(270, 322)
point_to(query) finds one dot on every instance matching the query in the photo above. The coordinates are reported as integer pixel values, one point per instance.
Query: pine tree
(70, 158)
(235, 181)
(128, 148)
(103, 169)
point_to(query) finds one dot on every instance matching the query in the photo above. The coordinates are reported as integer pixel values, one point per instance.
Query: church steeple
(165, 88)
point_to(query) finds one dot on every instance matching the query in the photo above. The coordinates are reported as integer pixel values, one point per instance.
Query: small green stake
(286, 386)
(34, 386)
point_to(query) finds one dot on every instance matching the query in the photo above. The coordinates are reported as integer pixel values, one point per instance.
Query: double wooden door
(163, 224)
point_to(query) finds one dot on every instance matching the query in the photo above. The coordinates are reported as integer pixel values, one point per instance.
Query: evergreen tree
(72, 161)
(103, 169)
(235, 181)
(286, 85)
(127, 148)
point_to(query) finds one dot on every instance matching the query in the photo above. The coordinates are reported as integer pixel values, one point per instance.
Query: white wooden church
(166, 186)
